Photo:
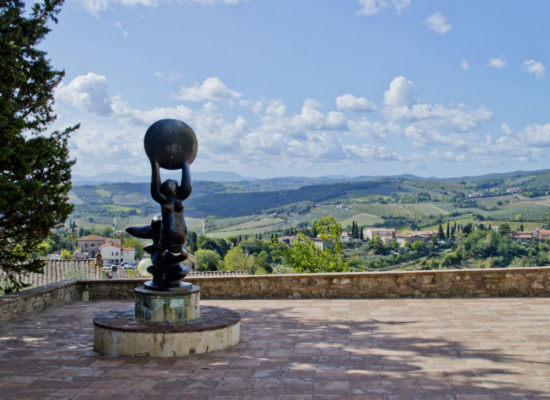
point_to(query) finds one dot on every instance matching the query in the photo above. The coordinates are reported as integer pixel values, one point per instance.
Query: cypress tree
(35, 176)
(440, 233)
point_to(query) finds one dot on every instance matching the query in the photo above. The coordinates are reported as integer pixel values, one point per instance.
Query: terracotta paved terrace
(463, 349)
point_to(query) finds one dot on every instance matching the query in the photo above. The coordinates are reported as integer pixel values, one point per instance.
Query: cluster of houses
(110, 249)
(389, 235)
(539, 235)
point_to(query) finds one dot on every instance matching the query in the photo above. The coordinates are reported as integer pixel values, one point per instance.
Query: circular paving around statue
(118, 333)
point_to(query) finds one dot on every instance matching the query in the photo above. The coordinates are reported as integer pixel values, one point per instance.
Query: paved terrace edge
(461, 283)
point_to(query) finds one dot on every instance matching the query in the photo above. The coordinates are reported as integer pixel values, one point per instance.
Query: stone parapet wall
(111, 289)
(33, 301)
(412, 284)
(506, 282)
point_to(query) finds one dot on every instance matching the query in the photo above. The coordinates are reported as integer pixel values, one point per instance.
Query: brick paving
(461, 349)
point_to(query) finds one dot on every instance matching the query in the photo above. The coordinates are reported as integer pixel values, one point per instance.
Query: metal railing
(61, 270)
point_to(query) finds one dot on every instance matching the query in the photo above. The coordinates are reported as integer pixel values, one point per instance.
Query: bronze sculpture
(169, 144)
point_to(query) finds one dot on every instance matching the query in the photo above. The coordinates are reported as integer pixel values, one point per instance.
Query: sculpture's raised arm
(184, 189)
(155, 183)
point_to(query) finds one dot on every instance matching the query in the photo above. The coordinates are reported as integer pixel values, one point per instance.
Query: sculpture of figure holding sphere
(169, 144)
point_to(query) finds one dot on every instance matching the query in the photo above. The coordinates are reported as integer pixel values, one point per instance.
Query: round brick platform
(118, 333)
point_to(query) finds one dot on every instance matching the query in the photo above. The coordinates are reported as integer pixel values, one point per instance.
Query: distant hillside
(212, 199)
(237, 204)
(407, 201)
(118, 177)
(487, 177)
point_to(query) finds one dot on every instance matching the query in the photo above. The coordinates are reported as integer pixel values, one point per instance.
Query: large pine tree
(35, 169)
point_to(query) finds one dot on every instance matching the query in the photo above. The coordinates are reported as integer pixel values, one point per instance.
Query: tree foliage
(305, 256)
(234, 259)
(136, 244)
(35, 176)
(207, 260)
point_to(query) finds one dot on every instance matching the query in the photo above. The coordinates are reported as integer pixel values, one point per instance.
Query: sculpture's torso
(174, 232)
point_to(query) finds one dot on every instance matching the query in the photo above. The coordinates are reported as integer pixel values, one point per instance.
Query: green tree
(207, 260)
(234, 259)
(504, 229)
(440, 233)
(36, 176)
(420, 247)
(222, 246)
(65, 254)
(233, 240)
(192, 242)
(107, 232)
(330, 230)
(136, 244)
(354, 230)
(44, 248)
(377, 245)
(219, 245)
(305, 256)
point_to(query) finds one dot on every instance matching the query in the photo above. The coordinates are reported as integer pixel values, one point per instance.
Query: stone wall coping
(369, 273)
(40, 290)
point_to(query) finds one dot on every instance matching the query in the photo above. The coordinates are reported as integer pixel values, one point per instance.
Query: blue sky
(309, 88)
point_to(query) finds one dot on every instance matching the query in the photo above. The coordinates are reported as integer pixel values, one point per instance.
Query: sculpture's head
(169, 187)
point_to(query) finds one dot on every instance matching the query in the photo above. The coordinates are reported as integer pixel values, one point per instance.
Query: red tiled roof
(93, 237)
(110, 244)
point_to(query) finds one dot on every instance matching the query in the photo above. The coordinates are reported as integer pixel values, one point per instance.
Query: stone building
(115, 253)
(386, 234)
(90, 244)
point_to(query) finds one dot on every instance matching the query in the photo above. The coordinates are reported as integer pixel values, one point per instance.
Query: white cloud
(506, 129)
(400, 93)
(169, 76)
(273, 136)
(371, 7)
(119, 26)
(212, 89)
(449, 156)
(428, 125)
(369, 152)
(88, 93)
(534, 67)
(373, 130)
(526, 145)
(354, 104)
(497, 63)
(437, 22)
(464, 65)
(535, 135)
(218, 1)
(97, 6)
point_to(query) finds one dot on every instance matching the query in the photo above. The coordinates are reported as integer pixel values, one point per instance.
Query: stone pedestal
(174, 306)
(168, 323)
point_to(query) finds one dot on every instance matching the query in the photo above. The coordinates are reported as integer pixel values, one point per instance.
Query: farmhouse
(90, 244)
(386, 234)
(116, 253)
(414, 236)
